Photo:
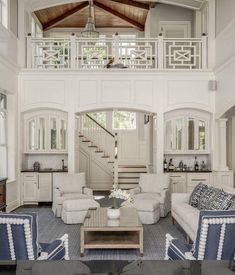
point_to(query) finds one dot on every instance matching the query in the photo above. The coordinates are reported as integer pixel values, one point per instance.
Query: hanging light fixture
(90, 30)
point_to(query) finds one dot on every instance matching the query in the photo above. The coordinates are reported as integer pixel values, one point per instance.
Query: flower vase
(113, 213)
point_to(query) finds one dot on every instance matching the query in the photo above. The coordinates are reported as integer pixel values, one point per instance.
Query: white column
(211, 34)
(71, 142)
(160, 142)
(222, 131)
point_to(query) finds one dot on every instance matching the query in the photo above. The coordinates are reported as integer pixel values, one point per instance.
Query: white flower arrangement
(119, 195)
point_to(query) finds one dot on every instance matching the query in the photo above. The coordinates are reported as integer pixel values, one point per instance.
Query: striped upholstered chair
(19, 240)
(214, 241)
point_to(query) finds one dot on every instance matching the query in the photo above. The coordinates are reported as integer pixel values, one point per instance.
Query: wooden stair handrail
(96, 122)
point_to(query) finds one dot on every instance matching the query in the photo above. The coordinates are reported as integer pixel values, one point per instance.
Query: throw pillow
(221, 201)
(207, 197)
(232, 204)
(196, 194)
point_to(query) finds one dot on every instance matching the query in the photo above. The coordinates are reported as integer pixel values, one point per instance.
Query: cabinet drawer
(194, 179)
(30, 176)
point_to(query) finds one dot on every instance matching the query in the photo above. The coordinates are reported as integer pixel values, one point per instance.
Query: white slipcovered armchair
(69, 187)
(154, 187)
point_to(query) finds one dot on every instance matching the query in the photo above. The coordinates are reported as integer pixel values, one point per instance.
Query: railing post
(116, 160)
(160, 51)
(29, 51)
(204, 52)
(73, 51)
(116, 39)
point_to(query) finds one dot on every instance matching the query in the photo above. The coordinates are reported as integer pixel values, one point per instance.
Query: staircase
(104, 145)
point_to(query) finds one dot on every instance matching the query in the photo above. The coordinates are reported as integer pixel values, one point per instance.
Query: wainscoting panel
(87, 92)
(144, 93)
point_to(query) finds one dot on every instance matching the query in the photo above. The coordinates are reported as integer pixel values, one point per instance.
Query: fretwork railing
(133, 53)
(101, 141)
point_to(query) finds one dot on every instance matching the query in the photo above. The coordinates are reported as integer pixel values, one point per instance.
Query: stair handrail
(96, 122)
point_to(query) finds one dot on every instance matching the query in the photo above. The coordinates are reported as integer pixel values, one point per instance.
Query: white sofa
(69, 187)
(154, 187)
(186, 215)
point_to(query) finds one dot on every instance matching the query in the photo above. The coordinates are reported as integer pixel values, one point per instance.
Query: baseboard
(13, 205)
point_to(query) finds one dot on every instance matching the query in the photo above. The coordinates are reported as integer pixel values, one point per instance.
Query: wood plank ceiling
(107, 14)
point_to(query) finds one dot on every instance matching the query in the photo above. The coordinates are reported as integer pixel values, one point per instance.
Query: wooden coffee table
(98, 232)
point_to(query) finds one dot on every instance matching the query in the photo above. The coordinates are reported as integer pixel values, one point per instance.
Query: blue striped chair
(19, 240)
(215, 239)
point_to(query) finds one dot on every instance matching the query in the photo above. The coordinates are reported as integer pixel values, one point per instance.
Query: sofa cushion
(207, 197)
(149, 196)
(71, 196)
(196, 194)
(221, 201)
(143, 205)
(79, 205)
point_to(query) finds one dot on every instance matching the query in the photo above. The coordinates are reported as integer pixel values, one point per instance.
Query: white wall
(162, 12)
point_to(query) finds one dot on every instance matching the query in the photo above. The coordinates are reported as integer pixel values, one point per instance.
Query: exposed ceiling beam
(64, 16)
(120, 15)
(133, 4)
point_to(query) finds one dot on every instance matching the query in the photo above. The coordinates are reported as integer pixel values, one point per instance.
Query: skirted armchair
(19, 240)
(154, 187)
(214, 241)
(69, 187)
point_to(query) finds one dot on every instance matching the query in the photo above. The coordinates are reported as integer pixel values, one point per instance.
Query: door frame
(174, 23)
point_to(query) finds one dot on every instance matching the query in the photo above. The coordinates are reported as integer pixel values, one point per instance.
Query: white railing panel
(49, 53)
(138, 53)
(183, 53)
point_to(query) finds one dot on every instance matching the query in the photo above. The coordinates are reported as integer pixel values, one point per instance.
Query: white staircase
(103, 145)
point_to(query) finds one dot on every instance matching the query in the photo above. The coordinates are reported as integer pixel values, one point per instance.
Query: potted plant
(118, 196)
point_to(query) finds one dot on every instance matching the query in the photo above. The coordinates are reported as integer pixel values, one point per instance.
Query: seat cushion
(70, 196)
(149, 196)
(79, 205)
(143, 205)
(153, 182)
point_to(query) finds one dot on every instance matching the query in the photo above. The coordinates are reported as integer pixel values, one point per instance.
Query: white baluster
(73, 51)
(160, 52)
(29, 51)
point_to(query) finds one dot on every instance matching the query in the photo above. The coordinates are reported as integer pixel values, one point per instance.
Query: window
(123, 120)
(3, 135)
(100, 117)
(4, 13)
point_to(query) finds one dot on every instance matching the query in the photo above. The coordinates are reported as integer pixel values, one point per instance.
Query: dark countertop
(204, 171)
(3, 179)
(45, 171)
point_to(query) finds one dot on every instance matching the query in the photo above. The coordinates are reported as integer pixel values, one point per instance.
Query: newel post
(160, 51)
(116, 160)
(73, 51)
(204, 52)
(29, 51)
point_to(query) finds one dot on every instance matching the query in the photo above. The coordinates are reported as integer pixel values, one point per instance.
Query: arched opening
(109, 137)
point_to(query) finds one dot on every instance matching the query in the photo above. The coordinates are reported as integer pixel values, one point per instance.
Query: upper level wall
(146, 90)
(225, 55)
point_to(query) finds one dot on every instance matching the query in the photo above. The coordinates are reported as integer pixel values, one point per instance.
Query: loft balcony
(132, 53)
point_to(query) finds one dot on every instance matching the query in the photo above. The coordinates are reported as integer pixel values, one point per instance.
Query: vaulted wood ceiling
(107, 13)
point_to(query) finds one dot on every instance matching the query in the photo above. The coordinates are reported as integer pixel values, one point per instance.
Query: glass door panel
(53, 134)
(41, 133)
(201, 135)
(191, 134)
(63, 135)
(179, 133)
(32, 143)
(169, 136)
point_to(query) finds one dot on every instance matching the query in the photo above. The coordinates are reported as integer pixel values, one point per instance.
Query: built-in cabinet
(37, 187)
(45, 132)
(187, 132)
(185, 182)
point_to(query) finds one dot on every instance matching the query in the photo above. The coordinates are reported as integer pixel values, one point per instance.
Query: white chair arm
(189, 256)
(43, 256)
(177, 198)
(135, 191)
(87, 191)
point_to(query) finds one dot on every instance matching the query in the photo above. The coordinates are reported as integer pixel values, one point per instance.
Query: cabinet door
(195, 178)
(44, 187)
(202, 135)
(31, 135)
(178, 133)
(178, 183)
(41, 133)
(191, 134)
(30, 190)
(53, 134)
(62, 135)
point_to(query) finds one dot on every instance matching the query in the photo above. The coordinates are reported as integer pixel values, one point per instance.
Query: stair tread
(86, 141)
(105, 157)
(92, 146)
(132, 166)
(99, 151)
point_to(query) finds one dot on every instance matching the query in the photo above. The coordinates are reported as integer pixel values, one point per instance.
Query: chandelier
(90, 30)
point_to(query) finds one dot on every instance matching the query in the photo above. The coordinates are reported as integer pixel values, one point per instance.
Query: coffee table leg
(141, 240)
(82, 244)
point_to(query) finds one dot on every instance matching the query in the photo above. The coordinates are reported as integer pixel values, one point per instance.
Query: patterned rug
(154, 238)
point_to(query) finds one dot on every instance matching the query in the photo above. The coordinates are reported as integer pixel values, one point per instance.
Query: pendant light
(90, 30)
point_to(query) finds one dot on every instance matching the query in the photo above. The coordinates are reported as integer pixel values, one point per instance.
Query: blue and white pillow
(207, 197)
(221, 201)
(196, 194)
